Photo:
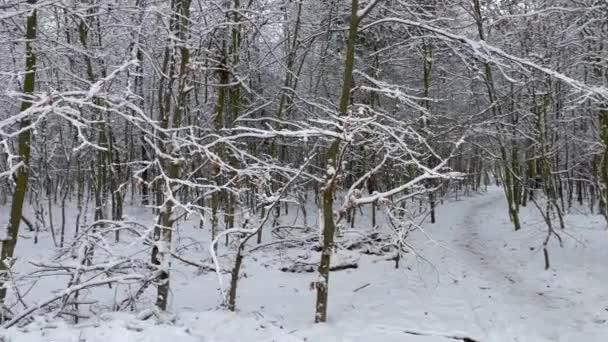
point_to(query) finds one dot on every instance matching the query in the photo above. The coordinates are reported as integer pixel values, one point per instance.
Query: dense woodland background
(240, 114)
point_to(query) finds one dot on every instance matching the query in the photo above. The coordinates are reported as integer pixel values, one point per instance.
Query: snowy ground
(474, 278)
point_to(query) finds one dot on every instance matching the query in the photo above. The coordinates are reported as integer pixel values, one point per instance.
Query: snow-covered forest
(304, 170)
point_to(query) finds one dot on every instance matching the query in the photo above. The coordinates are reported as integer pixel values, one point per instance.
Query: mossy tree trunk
(163, 232)
(24, 138)
(427, 56)
(331, 158)
(603, 172)
(234, 95)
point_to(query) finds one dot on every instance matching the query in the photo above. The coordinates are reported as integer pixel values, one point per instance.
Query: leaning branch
(488, 52)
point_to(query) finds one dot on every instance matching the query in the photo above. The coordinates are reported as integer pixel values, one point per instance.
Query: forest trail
(513, 297)
(472, 276)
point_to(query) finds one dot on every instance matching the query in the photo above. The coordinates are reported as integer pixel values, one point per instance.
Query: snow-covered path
(512, 297)
(475, 277)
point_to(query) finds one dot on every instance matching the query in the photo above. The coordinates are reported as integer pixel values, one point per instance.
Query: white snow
(475, 277)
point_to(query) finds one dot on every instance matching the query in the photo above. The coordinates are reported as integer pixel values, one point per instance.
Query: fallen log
(310, 268)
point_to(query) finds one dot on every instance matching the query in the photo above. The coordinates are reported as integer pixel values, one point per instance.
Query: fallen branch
(361, 287)
(310, 268)
(451, 337)
(201, 267)
(69, 291)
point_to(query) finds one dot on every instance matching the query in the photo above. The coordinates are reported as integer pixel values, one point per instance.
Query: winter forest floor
(471, 276)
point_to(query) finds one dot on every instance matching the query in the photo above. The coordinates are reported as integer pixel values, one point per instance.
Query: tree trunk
(8, 246)
(329, 226)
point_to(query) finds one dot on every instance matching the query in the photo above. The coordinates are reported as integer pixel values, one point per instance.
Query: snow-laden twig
(252, 231)
(70, 290)
(489, 53)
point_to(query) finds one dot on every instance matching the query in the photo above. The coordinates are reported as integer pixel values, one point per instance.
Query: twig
(361, 287)
(68, 292)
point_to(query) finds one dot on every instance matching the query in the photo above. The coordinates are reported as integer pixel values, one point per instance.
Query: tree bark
(329, 226)
(24, 138)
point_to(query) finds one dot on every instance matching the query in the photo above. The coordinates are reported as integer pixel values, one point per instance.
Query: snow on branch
(488, 53)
